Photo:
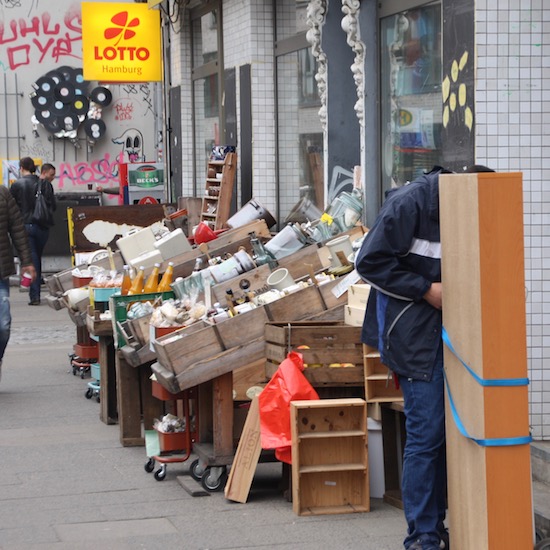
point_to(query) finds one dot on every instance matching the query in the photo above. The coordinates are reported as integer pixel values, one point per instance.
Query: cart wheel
(160, 474)
(213, 482)
(74, 371)
(543, 545)
(150, 465)
(82, 375)
(98, 399)
(89, 393)
(196, 470)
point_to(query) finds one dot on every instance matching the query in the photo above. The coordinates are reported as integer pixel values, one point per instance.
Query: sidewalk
(66, 483)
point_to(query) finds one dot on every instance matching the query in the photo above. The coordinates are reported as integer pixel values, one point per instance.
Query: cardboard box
(358, 295)
(354, 316)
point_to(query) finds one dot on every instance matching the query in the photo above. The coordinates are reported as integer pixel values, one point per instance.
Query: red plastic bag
(287, 384)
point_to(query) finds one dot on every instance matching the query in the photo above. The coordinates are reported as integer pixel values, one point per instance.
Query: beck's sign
(121, 42)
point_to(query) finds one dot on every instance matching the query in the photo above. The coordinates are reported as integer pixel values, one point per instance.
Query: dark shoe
(444, 535)
(34, 303)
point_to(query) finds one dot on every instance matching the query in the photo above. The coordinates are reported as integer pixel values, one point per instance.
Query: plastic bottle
(126, 281)
(166, 281)
(137, 283)
(152, 282)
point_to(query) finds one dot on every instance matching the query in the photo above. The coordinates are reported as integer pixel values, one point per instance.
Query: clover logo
(122, 27)
(454, 93)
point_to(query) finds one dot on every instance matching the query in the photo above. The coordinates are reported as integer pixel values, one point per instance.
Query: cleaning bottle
(126, 281)
(137, 283)
(166, 281)
(152, 282)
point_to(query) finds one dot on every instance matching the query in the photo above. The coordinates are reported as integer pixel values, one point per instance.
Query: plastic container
(251, 211)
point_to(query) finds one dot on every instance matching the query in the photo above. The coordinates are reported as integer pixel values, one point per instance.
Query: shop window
(300, 135)
(410, 93)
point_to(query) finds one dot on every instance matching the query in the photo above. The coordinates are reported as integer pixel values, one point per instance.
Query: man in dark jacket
(401, 259)
(24, 192)
(12, 233)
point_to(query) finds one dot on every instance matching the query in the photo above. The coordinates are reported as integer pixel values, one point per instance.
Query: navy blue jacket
(400, 258)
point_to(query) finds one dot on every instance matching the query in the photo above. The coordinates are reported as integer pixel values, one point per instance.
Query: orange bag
(287, 384)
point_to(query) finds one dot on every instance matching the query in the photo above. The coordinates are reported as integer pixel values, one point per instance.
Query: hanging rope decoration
(63, 104)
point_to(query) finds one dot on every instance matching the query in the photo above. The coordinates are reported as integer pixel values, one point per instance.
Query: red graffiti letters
(32, 41)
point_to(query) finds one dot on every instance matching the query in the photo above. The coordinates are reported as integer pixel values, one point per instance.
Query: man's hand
(434, 296)
(29, 269)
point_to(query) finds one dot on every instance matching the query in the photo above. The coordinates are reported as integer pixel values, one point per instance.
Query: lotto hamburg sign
(121, 42)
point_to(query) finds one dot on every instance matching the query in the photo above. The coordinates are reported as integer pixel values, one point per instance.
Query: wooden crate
(379, 386)
(322, 344)
(180, 349)
(329, 457)
(298, 305)
(244, 326)
(328, 296)
(256, 277)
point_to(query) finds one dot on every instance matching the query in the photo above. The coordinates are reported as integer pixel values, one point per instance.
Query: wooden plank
(329, 297)
(108, 411)
(222, 396)
(248, 452)
(221, 363)
(129, 404)
(143, 215)
(484, 314)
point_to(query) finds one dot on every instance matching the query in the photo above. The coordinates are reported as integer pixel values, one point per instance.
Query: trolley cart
(176, 446)
(93, 386)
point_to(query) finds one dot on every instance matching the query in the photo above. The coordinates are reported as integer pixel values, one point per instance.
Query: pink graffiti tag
(101, 172)
(40, 38)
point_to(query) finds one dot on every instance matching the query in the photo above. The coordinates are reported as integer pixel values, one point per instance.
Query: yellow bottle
(126, 281)
(137, 283)
(152, 282)
(166, 281)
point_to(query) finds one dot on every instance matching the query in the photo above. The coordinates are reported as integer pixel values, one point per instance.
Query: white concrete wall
(39, 37)
(512, 120)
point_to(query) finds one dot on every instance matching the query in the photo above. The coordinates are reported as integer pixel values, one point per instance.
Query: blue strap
(493, 442)
(477, 378)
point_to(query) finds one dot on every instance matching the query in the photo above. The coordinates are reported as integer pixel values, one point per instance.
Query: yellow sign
(121, 42)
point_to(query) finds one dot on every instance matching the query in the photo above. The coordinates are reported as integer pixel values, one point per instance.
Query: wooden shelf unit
(329, 457)
(220, 180)
(379, 387)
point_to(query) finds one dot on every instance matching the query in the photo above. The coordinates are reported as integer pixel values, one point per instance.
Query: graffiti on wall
(100, 172)
(37, 40)
(132, 145)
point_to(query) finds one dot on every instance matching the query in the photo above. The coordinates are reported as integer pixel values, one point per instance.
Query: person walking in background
(24, 191)
(12, 233)
(401, 259)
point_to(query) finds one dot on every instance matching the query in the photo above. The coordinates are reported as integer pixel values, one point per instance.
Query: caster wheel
(213, 483)
(82, 375)
(74, 371)
(98, 399)
(196, 470)
(160, 474)
(543, 545)
(89, 393)
(149, 465)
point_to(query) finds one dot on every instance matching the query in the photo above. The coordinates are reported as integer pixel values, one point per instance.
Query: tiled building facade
(509, 58)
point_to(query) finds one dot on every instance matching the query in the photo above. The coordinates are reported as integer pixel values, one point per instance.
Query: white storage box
(173, 244)
(135, 243)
